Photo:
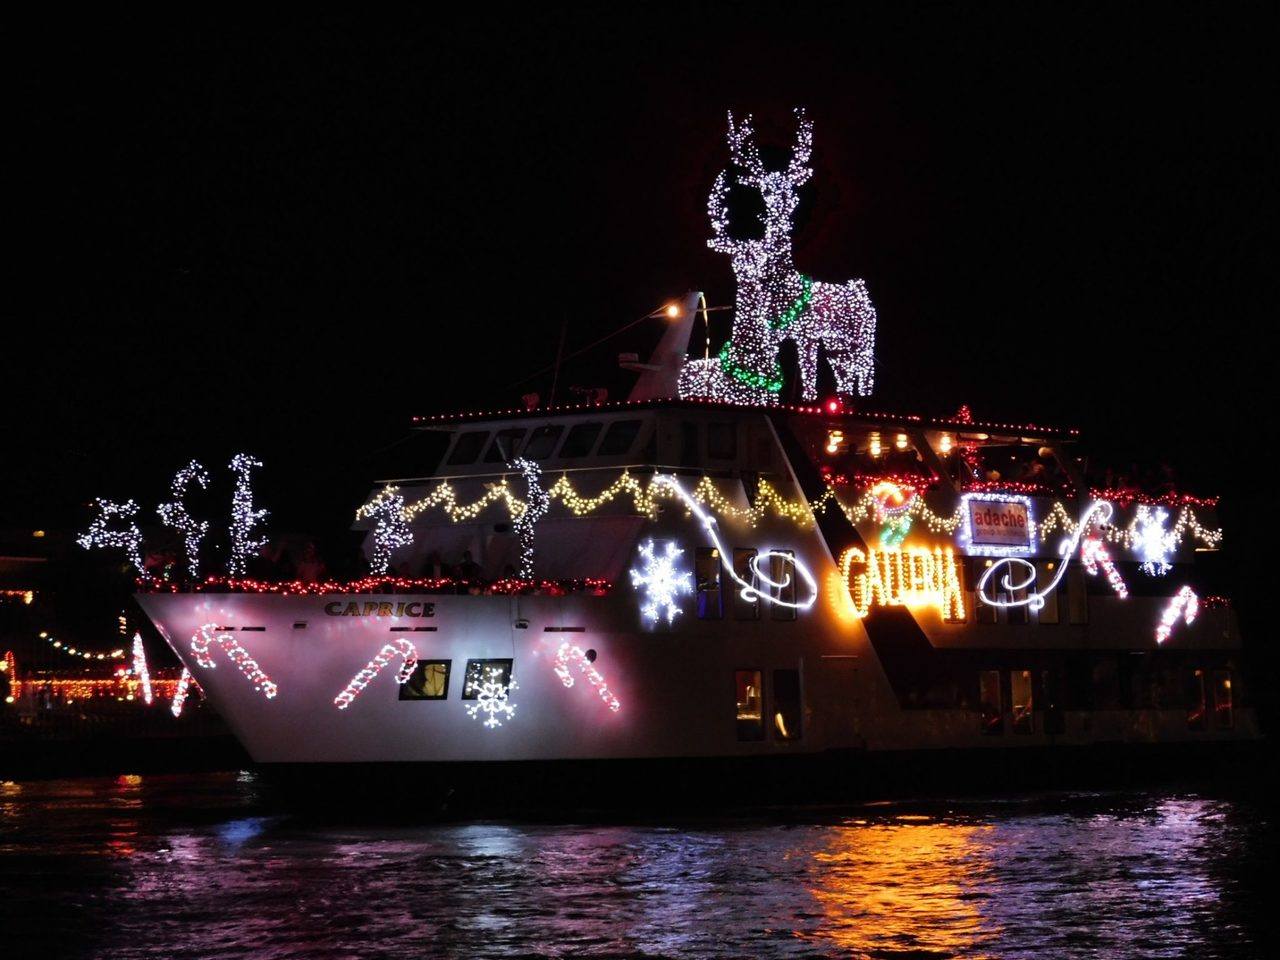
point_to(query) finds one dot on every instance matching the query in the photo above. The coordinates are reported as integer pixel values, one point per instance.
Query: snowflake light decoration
(243, 517)
(775, 302)
(392, 530)
(661, 580)
(1152, 539)
(127, 538)
(174, 514)
(492, 698)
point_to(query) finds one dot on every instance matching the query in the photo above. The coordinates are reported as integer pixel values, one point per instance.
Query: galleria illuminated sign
(904, 577)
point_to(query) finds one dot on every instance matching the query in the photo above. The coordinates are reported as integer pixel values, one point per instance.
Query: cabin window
(467, 448)
(429, 681)
(1106, 683)
(1018, 613)
(707, 576)
(990, 702)
(1055, 721)
(1222, 707)
(689, 453)
(581, 440)
(619, 438)
(480, 672)
(722, 441)
(782, 570)
(744, 609)
(750, 704)
(542, 442)
(1077, 594)
(1196, 701)
(788, 714)
(1021, 702)
(1045, 572)
(505, 445)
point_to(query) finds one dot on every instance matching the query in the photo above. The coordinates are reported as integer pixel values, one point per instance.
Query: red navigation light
(833, 405)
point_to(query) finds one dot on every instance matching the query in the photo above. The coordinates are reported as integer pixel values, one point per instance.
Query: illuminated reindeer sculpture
(775, 302)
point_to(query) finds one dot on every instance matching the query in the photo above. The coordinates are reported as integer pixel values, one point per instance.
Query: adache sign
(998, 525)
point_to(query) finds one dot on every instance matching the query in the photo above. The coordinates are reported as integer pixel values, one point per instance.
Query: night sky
(289, 237)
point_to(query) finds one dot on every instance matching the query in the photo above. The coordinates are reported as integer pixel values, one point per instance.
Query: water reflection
(158, 867)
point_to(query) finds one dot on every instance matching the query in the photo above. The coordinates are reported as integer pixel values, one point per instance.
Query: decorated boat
(707, 574)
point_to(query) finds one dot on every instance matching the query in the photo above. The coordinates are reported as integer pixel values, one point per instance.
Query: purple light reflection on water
(166, 866)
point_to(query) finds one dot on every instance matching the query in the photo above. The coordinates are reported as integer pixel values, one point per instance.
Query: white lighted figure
(392, 529)
(492, 698)
(662, 580)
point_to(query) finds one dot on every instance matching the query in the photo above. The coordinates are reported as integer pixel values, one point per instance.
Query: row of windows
(430, 679)
(708, 566)
(540, 443)
(1208, 699)
(786, 718)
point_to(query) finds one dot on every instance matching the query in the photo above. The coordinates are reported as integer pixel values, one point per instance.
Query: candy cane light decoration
(1184, 604)
(140, 668)
(180, 693)
(403, 649)
(572, 654)
(205, 637)
(749, 591)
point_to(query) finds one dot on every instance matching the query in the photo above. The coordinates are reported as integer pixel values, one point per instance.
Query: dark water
(195, 866)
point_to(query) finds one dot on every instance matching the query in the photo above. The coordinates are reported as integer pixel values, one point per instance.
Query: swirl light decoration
(1098, 512)
(748, 591)
(403, 649)
(775, 302)
(175, 515)
(205, 637)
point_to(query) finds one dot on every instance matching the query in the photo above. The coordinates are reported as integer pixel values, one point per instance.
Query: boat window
(783, 570)
(707, 575)
(1021, 701)
(480, 672)
(1055, 721)
(542, 442)
(1045, 572)
(722, 441)
(505, 445)
(429, 681)
(990, 702)
(467, 447)
(619, 437)
(580, 440)
(788, 714)
(744, 609)
(1222, 707)
(689, 445)
(750, 704)
(1195, 701)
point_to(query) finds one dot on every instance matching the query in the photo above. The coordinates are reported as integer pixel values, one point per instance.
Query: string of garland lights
(1131, 537)
(774, 301)
(206, 636)
(388, 584)
(174, 514)
(1185, 605)
(75, 651)
(243, 516)
(572, 654)
(128, 538)
(392, 528)
(403, 649)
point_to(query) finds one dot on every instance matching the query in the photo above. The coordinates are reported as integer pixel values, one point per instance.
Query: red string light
(387, 584)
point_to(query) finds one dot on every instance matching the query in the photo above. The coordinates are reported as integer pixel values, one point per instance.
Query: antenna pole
(555, 377)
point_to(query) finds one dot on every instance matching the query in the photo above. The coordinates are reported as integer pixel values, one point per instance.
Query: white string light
(493, 698)
(392, 529)
(1152, 540)
(243, 516)
(403, 649)
(536, 505)
(127, 538)
(140, 668)
(175, 514)
(1098, 512)
(1095, 556)
(205, 637)
(775, 302)
(180, 693)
